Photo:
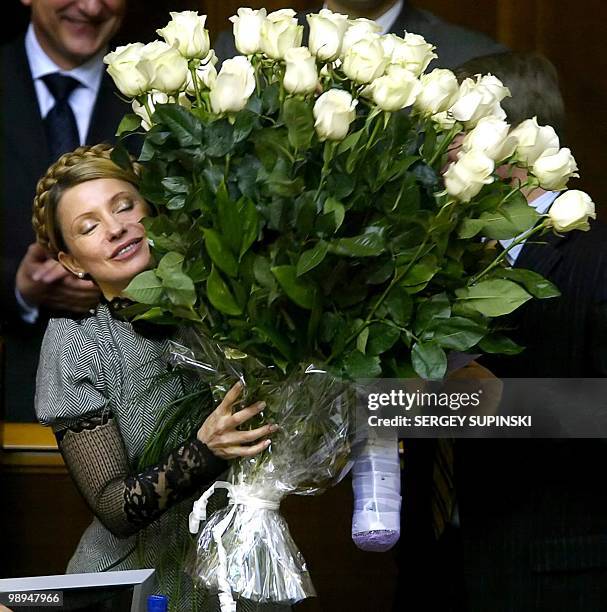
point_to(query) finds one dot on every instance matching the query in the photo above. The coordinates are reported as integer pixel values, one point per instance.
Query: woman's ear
(69, 263)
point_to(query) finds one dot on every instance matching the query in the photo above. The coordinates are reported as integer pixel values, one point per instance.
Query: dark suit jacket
(24, 158)
(454, 44)
(534, 512)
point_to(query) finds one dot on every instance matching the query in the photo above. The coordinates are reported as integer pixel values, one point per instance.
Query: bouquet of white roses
(303, 218)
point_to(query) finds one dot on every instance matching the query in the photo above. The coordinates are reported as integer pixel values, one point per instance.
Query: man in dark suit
(532, 514)
(55, 96)
(454, 44)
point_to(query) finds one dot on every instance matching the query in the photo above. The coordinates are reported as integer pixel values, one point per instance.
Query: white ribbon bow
(238, 496)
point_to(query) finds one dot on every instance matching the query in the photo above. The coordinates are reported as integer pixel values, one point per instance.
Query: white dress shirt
(82, 99)
(387, 19)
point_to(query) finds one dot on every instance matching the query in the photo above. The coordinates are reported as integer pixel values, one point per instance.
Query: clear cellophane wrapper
(245, 550)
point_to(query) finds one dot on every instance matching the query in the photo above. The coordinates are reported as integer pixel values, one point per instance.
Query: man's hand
(43, 281)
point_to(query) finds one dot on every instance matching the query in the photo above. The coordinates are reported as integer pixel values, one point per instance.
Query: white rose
(141, 110)
(534, 140)
(413, 53)
(301, 76)
(122, 67)
(326, 34)
(357, 30)
(364, 61)
(397, 89)
(334, 111)
(554, 169)
(247, 29)
(466, 177)
(206, 74)
(491, 137)
(187, 33)
(279, 32)
(478, 99)
(439, 89)
(234, 85)
(571, 210)
(165, 67)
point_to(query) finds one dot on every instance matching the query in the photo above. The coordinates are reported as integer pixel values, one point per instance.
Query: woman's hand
(219, 431)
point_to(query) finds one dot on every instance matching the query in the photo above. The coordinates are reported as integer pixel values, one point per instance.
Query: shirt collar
(544, 202)
(89, 74)
(386, 20)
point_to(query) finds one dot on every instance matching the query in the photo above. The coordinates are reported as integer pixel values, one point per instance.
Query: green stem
(524, 236)
(397, 278)
(196, 87)
(444, 145)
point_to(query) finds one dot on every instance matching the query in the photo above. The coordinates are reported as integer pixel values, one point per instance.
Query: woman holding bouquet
(104, 385)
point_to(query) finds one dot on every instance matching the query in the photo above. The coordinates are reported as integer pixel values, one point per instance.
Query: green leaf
(470, 228)
(535, 283)
(366, 245)
(429, 360)
(281, 183)
(248, 222)
(497, 343)
(146, 288)
(361, 340)
(262, 271)
(458, 333)
(182, 124)
(437, 307)
(297, 116)
(337, 208)
(243, 125)
(420, 274)
(170, 264)
(301, 292)
(399, 305)
(229, 219)
(493, 298)
(176, 184)
(510, 220)
(220, 296)
(180, 289)
(120, 156)
(311, 258)
(129, 123)
(219, 252)
(381, 338)
(220, 137)
(350, 141)
(356, 365)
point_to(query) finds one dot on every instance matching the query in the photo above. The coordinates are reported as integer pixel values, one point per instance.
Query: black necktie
(60, 123)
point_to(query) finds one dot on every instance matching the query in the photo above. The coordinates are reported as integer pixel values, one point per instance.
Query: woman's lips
(131, 251)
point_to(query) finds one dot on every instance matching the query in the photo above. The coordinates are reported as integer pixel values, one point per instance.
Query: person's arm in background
(43, 282)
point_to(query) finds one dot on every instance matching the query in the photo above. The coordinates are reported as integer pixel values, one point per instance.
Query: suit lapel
(24, 135)
(542, 257)
(108, 112)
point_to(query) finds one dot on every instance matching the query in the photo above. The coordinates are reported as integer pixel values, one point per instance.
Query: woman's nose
(115, 229)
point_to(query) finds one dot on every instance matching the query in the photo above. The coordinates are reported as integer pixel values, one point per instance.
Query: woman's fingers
(230, 398)
(242, 416)
(246, 451)
(237, 438)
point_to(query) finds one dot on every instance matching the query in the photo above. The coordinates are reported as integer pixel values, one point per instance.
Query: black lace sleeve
(125, 502)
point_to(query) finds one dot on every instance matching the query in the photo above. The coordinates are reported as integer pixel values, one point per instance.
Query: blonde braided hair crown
(59, 177)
